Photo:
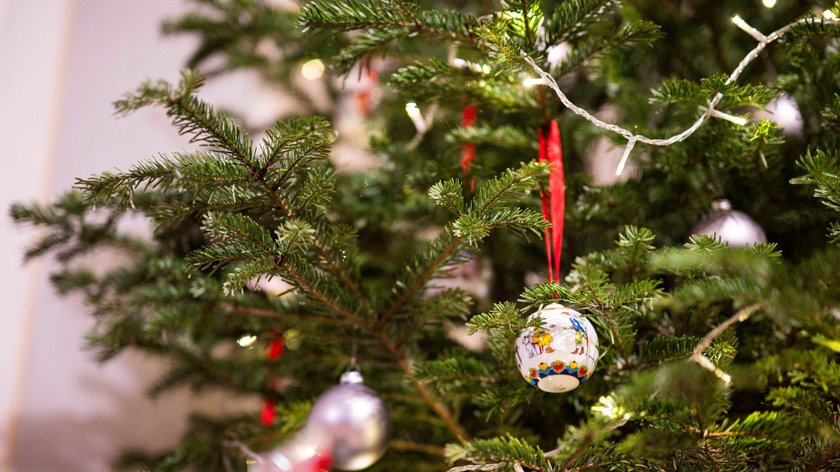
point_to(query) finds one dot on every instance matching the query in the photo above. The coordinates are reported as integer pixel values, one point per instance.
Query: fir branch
(569, 18)
(640, 32)
(381, 17)
(192, 116)
(495, 196)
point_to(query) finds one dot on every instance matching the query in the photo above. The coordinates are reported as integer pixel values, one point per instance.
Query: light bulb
(312, 69)
(247, 340)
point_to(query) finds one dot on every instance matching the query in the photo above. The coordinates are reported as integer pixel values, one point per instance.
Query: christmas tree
(715, 351)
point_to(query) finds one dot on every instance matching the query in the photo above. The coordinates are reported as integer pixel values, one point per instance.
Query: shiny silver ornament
(731, 226)
(352, 421)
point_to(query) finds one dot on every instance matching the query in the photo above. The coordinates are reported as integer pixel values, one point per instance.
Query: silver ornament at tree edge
(731, 226)
(353, 421)
(559, 355)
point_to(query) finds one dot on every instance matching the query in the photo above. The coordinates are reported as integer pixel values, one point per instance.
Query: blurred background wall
(62, 63)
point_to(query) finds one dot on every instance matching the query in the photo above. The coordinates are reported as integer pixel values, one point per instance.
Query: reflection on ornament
(785, 113)
(561, 354)
(352, 422)
(731, 226)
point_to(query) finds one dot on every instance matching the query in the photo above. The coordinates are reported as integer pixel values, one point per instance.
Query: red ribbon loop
(554, 205)
(274, 351)
(468, 150)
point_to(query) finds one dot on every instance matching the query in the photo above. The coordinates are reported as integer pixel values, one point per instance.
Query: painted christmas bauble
(731, 226)
(353, 422)
(561, 354)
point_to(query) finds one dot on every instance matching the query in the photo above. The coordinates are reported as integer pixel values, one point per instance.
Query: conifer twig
(419, 281)
(438, 407)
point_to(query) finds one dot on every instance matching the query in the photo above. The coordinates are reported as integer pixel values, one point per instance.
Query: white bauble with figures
(561, 354)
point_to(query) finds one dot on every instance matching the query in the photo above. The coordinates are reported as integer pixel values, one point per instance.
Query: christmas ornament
(731, 226)
(352, 422)
(785, 113)
(559, 355)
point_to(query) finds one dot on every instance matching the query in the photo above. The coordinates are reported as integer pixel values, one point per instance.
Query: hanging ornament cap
(721, 205)
(352, 377)
(731, 226)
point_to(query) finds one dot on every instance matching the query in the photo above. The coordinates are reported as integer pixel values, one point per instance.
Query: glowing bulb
(531, 81)
(413, 112)
(312, 69)
(738, 120)
(829, 15)
(610, 409)
(246, 341)
(769, 3)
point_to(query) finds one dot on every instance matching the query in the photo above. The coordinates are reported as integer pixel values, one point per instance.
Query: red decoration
(364, 98)
(553, 205)
(268, 414)
(468, 150)
(274, 351)
(557, 186)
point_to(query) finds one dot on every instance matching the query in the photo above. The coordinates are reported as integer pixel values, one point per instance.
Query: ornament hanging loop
(353, 368)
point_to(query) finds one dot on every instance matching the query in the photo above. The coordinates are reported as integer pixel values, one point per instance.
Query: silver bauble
(731, 226)
(353, 422)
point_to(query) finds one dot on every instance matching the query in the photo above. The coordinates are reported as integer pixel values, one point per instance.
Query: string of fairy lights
(422, 123)
(545, 78)
(710, 112)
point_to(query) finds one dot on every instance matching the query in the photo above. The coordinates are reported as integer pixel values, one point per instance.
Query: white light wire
(632, 138)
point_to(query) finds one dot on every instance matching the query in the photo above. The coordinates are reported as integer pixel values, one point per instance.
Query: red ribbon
(554, 205)
(274, 351)
(364, 98)
(467, 149)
